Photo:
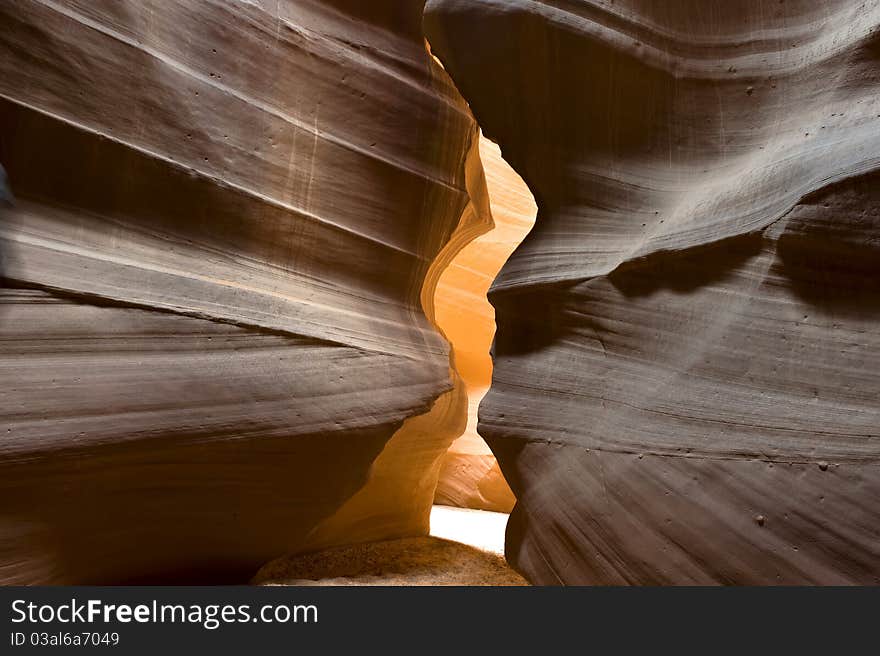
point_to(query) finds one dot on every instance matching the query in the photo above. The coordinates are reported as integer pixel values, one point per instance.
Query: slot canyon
(280, 276)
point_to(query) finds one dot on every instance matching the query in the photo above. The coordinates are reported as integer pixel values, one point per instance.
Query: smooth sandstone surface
(470, 476)
(216, 323)
(687, 362)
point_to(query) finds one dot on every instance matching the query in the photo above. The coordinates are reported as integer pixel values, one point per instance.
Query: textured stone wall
(687, 362)
(213, 320)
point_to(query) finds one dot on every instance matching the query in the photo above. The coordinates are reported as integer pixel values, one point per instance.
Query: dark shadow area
(7, 202)
(686, 271)
(841, 278)
(529, 320)
(186, 509)
(829, 253)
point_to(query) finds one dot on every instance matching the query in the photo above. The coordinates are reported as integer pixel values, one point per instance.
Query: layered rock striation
(213, 315)
(687, 362)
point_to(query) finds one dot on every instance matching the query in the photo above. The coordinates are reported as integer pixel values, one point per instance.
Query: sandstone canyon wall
(687, 363)
(214, 311)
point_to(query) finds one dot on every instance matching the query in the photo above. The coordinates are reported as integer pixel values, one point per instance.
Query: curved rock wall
(686, 375)
(212, 321)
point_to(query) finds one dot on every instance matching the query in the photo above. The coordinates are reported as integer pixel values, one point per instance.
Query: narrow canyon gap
(470, 476)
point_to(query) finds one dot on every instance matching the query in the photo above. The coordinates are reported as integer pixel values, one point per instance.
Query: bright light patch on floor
(478, 528)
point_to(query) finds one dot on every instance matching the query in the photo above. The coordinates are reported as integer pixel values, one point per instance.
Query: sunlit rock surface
(470, 476)
(687, 363)
(216, 312)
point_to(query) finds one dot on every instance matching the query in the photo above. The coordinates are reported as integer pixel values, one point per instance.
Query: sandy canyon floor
(466, 547)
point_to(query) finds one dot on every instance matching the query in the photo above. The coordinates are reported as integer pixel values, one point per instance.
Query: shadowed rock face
(687, 362)
(213, 317)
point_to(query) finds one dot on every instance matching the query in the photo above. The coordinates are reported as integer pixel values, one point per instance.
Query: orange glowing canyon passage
(470, 476)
